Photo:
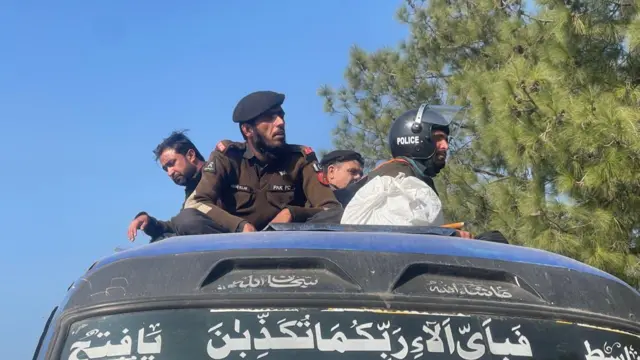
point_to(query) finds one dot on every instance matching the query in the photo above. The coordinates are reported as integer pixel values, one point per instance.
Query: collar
(250, 155)
(191, 185)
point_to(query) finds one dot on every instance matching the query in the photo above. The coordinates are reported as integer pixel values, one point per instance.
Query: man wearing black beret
(341, 168)
(247, 185)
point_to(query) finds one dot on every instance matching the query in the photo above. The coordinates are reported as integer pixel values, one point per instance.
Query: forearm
(302, 214)
(220, 217)
(155, 227)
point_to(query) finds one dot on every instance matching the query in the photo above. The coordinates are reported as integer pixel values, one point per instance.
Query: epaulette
(306, 151)
(229, 149)
(224, 146)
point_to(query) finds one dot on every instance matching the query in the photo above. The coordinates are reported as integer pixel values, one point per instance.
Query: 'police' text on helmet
(411, 133)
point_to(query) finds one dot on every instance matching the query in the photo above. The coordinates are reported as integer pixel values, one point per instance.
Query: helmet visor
(448, 114)
(452, 116)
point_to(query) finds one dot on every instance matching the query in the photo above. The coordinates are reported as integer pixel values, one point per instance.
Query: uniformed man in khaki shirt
(245, 186)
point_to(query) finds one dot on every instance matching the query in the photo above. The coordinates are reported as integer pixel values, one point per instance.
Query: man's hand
(284, 216)
(464, 234)
(138, 223)
(248, 228)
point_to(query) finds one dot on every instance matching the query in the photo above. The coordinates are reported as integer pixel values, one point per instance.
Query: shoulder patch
(210, 166)
(221, 146)
(307, 150)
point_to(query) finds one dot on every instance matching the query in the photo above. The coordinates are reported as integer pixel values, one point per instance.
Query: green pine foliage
(549, 153)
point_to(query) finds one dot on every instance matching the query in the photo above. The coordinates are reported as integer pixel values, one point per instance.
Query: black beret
(256, 104)
(340, 156)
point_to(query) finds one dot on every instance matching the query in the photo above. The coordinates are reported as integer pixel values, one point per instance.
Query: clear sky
(88, 88)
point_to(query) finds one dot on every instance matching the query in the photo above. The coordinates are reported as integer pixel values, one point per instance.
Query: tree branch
(490, 173)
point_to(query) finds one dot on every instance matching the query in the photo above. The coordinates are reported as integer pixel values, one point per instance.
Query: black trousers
(194, 222)
(190, 222)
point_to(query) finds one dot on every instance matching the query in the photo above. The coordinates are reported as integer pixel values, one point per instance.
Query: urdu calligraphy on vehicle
(441, 287)
(146, 346)
(249, 334)
(271, 281)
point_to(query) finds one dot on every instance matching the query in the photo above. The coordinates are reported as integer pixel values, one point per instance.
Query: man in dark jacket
(183, 163)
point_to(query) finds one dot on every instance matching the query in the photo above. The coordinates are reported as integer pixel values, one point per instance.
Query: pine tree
(550, 153)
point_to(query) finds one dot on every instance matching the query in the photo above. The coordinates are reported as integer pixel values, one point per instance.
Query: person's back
(392, 168)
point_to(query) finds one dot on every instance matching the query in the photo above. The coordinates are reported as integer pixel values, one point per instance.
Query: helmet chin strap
(430, 167)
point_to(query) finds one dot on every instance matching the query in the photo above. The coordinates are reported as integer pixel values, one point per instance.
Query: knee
(191, 222)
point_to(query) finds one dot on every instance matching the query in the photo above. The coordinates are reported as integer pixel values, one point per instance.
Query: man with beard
(341, 168)
(183, 163)
(247, 185)
(419, 142)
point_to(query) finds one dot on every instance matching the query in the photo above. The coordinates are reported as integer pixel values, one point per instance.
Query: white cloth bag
(403, 200)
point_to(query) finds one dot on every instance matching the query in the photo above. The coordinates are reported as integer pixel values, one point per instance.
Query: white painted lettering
(408, 140)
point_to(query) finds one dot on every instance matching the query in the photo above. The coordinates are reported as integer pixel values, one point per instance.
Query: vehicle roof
(357, 241)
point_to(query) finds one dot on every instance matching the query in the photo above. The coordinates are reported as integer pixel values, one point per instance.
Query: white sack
(403, 200)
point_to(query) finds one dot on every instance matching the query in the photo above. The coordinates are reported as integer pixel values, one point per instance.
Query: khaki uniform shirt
(236, 187)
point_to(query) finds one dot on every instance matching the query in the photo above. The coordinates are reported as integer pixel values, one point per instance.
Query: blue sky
(88, 88)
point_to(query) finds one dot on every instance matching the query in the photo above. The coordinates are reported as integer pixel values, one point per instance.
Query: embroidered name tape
(239, 187)
(280, 188)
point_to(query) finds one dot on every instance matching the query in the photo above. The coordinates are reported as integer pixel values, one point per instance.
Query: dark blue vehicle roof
(390, 268)
(350, 269)
(358, 241)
